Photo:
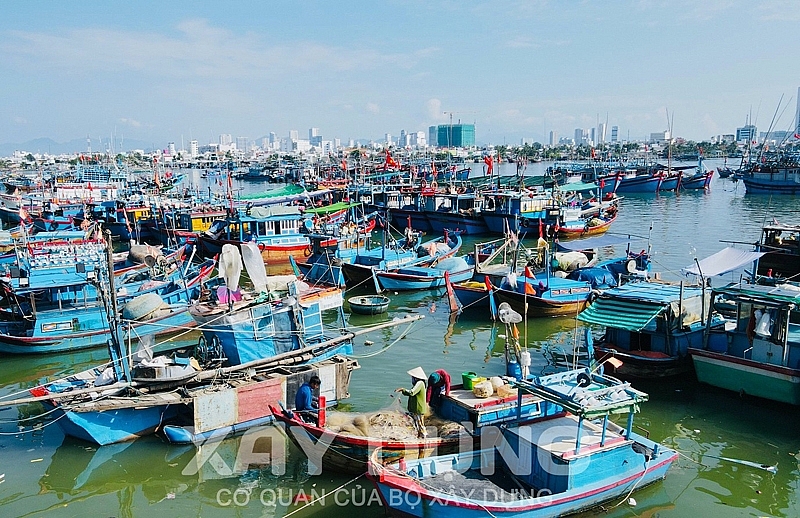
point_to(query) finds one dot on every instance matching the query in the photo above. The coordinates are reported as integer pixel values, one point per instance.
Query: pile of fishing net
(391, 423)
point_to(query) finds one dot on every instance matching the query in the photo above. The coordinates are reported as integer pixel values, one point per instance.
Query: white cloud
(20, 120)
(131, 122)
(373, 108)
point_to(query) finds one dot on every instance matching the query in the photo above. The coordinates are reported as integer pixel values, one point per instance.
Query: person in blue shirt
(306, 404)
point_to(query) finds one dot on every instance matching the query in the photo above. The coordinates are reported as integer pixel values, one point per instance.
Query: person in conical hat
(417, 407)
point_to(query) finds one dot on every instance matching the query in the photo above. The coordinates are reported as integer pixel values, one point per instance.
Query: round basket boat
(369, 304)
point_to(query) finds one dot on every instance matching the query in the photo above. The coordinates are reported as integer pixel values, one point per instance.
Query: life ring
(307, 252)
(262, 247)
(434, 185)
(423, 184)
(53, 226)
(461, 190)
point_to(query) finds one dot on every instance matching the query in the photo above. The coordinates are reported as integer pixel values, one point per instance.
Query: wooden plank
(214, 410)
(254, 399)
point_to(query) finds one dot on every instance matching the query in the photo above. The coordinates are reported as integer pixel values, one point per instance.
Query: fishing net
(391, 423)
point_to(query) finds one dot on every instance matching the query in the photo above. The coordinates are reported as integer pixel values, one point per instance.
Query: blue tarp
(598, 278)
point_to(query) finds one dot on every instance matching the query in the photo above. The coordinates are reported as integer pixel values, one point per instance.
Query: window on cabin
(262, 228)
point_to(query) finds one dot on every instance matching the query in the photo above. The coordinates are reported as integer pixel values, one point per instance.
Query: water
(46, 473)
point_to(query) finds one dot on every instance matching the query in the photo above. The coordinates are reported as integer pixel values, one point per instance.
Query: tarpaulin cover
(722, 262)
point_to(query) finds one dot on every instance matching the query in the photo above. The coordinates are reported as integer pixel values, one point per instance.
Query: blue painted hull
(496, 222)
(112, 426)
(440, 221)
(400, 502)
(764, 186)
(639, 184)
(96, 337)
(401, 282)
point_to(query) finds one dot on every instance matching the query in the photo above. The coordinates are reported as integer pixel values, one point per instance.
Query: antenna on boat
(115, 346)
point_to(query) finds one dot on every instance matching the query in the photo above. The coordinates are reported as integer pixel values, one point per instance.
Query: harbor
(733, 455)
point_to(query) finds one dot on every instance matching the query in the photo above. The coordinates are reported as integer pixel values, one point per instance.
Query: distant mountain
(50, 146)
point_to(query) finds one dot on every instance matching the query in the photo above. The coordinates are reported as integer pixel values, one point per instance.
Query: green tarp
(621, 314)
(287, 190)
(331, 208)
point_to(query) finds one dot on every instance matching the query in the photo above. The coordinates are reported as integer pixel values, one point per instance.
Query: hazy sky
(162, 70)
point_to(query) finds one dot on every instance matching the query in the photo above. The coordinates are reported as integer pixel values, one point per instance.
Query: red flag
(391, 162)
(593, 155)
(489, 161)
(344, 164)
(797, 135)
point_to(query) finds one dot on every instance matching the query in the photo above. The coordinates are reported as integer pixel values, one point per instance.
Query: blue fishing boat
(649, 327)
(455, 211)
(275, 229)
(758, 352)
(52, 301)
(531, 470)
(425, 278)
(779, 176)
(516, 212)
(402, 253)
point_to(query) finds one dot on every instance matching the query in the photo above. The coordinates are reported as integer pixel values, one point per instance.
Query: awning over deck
(722, 262)
(631, 315)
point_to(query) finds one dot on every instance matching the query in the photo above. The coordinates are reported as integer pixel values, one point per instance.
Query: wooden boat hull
(642, 364)
(350, 454)
(747, 376)
(403, 496)
(440, 221)
(210, 247)
(404, 282)
(168, 324)
(536, 307)
(113, 426)
(574, 232)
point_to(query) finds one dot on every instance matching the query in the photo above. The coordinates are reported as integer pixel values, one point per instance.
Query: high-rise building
(225, 139)
(455, 135)
(418, 139)
(553, 138)
(171, 148)
(242, 144)
(193, 149)
(601, 133)
(388, 139)
(433, 135)
(294, 135)
(747, 133)
(313, 132)
(614, 133)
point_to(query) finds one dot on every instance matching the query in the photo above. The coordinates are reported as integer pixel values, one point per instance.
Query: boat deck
(563, 444)
(500, 486)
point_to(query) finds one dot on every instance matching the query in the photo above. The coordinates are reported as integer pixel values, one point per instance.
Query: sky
(173, 71)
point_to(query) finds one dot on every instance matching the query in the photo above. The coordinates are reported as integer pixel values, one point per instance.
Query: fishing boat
(274, 229)
(405, 252)
(531, 470)
(757, 353)
(699, 180)
(780, 245)
(457, 211)
(649, 327)
(575, 225)
(369, 304)
(425, 278)
(459, 421)
(774, 176)
(52, 302)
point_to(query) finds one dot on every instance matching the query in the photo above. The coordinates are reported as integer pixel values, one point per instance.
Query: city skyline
(518, 70)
